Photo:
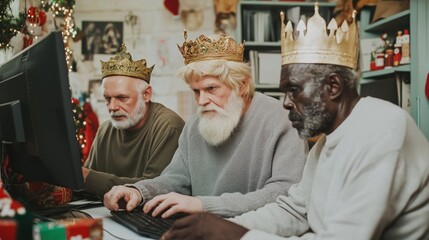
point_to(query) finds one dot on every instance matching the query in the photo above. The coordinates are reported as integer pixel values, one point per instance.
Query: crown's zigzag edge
(318, 43)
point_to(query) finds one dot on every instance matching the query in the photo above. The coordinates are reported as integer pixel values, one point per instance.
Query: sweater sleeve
(101, 182)
(288, 215)
(174, 178)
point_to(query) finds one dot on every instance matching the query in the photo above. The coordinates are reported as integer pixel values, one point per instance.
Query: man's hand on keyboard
(204, 226)
(129, 194)
(172, 203)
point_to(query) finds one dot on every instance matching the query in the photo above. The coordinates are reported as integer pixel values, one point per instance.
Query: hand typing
(172, 203)
(131, 196)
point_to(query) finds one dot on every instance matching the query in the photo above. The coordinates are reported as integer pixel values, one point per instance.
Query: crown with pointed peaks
(205, 48)
(314, 45)
(122, 64)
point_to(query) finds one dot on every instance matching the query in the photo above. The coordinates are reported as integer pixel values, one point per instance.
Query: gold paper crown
(123, 64)
(314, 45)
(204, 48)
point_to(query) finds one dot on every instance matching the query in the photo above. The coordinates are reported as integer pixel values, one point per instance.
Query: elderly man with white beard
(141, 137)
(236, 154)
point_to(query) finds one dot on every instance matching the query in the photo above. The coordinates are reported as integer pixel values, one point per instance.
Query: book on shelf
(269, 68)
(259, 26)
(248, 18)
(265, 67)
(293, 14)
(253, 59)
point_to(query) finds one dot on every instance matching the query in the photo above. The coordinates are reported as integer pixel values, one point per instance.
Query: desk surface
(112, 229)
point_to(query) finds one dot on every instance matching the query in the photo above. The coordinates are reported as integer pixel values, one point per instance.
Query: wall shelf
(400, 20)
(385, 73)
(262, 44)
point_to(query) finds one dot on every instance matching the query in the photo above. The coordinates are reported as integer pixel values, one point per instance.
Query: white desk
(117, 230)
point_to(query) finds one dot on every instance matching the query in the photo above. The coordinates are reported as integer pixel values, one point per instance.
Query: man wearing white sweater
(366, 178)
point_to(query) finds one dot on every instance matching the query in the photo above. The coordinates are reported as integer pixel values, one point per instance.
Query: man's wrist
(130, 185)
(85, 173)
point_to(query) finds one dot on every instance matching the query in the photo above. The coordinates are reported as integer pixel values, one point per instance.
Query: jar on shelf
(379, 58)
(388, 56)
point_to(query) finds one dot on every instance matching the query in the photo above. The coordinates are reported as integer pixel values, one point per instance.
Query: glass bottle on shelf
(388, 57)
(405, 48)
(397, 53)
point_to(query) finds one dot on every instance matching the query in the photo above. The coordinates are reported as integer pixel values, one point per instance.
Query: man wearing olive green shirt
(141, 137)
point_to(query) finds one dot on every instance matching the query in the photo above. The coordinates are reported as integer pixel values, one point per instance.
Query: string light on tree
(64, 9)
(9, 25)
(80, 123)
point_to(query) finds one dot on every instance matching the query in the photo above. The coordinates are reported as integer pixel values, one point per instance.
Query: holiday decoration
(172, 6)
(79, 119)
(64, 9)
(9, 24)
(225, 11)
(91, 128)
(17, 42)
(15, 222)
(191, 13)
(86, 123)
(31, 24)
(36, 16)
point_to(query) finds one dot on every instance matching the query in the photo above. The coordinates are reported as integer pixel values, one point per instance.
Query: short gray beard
(131, 119)
(216, 130)
(315, 118)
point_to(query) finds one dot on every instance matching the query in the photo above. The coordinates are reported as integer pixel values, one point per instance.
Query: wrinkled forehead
(296, 73)
(205, 80)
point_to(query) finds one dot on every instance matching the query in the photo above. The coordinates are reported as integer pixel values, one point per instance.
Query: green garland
(69, 4)
(9, 25)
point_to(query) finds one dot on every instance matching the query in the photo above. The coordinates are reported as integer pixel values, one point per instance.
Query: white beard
(131, 119)
(217, 129)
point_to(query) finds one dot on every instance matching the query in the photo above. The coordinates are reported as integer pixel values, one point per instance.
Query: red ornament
(172, 6)
(27, 41)
(36, 16)
(31, 14)
(90, 129)
(42, 17)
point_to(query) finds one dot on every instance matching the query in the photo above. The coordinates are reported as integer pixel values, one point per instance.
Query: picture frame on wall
(101, 37)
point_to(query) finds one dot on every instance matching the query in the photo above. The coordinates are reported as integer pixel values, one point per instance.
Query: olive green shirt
(118, 156)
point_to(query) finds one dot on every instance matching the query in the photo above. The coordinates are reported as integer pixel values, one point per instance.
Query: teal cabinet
(419, 25)
(384, 83)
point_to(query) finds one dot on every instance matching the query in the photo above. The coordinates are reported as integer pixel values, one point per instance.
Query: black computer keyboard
(144, 224)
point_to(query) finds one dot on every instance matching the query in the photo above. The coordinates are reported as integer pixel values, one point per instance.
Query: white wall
(154, 38)
(155, 35)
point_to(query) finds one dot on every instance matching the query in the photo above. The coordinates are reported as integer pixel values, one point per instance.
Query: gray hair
(139, 85)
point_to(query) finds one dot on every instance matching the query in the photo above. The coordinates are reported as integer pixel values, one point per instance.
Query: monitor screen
(36, 118)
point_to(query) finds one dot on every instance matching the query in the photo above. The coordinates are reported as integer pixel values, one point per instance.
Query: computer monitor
(36, 118)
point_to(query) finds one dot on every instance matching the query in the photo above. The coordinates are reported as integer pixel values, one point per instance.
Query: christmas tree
(9, 24)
